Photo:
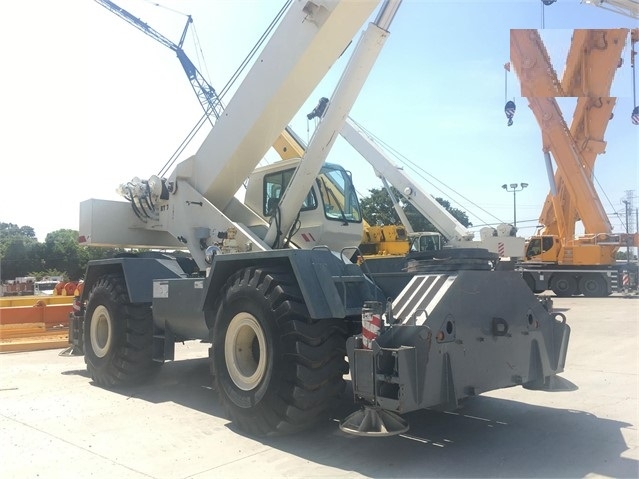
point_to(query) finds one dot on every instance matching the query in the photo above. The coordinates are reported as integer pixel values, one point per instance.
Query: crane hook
(509, 109)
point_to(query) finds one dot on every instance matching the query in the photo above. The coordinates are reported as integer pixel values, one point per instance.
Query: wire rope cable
(422, 173)
(202, 121)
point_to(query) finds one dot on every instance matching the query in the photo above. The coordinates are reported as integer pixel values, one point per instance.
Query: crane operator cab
(425, 241)
(542, 248)
(330, 214)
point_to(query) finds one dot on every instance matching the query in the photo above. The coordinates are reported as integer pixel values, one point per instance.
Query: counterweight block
(457, 335)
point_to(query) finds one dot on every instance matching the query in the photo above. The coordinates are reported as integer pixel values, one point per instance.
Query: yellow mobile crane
(555, 258)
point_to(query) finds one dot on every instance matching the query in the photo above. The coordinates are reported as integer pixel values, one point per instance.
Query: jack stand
(71, 351)
(374, 422)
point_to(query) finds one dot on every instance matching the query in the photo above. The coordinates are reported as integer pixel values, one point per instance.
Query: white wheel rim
(245, 351)
(101, 331)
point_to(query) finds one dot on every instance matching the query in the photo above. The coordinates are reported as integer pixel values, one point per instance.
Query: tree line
(378, 210)
(21, 254)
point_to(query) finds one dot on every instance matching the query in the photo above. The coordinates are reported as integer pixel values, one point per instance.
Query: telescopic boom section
(574, 150)
(445, 223)
(309, 39)
(592, 61)
(591, 64)
(557, 140)
(350, 84)
(532, 64)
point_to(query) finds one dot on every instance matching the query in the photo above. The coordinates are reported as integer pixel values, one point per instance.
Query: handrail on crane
(209, 99)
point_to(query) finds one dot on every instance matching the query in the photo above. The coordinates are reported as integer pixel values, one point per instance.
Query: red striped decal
(308, 237)
(371, 324)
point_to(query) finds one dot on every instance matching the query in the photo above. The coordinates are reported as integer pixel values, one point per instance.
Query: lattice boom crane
(210, 101)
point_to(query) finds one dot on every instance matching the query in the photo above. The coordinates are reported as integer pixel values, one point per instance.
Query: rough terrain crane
(279, 300)
(555, 258)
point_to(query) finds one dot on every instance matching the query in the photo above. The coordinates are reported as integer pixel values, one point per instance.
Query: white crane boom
(350, 84)
(197, 202)
(630, 8)
(273, 91)
(445, 223)
(496, 240)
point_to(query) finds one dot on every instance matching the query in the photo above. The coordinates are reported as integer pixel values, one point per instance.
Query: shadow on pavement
(487, 437)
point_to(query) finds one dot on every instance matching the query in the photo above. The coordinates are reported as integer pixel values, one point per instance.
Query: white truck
(269, 283)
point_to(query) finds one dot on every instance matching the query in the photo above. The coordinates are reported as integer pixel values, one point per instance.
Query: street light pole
(627, 207)
(514, 187)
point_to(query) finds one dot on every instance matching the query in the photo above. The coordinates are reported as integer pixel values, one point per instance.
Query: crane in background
(591, 64)
(287, 144)
(208, 97)
(555, 259)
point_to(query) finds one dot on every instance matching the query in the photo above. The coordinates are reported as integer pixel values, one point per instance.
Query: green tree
(378, 209)
(10, 231)
(623, 254)
(20, 251)
(63, 253)
(22, 255)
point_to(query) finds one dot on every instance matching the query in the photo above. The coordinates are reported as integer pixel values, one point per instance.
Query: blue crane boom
(210, 101)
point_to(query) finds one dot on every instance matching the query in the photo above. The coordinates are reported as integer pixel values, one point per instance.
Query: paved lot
(55, 423)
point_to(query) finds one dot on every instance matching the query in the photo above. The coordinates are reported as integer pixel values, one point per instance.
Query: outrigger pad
(374, 422)
(71, 351)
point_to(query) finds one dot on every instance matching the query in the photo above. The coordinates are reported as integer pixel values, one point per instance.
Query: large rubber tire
(118, 336)
(276, 370)
(593, 286)
(564, 285)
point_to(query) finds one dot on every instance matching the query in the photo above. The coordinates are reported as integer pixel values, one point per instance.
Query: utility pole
(632, 221)
(627, 206)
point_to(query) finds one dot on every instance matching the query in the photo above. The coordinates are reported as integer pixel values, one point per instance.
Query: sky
(88, 101)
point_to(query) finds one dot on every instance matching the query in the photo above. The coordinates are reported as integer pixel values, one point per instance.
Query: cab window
(338, 195)
(274, 186)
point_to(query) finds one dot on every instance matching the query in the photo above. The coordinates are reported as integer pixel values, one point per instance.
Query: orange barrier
(8, 301)
(35, 323)
(38, 313)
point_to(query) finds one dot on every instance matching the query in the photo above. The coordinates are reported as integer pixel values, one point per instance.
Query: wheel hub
(101, 331)
(245, 351)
